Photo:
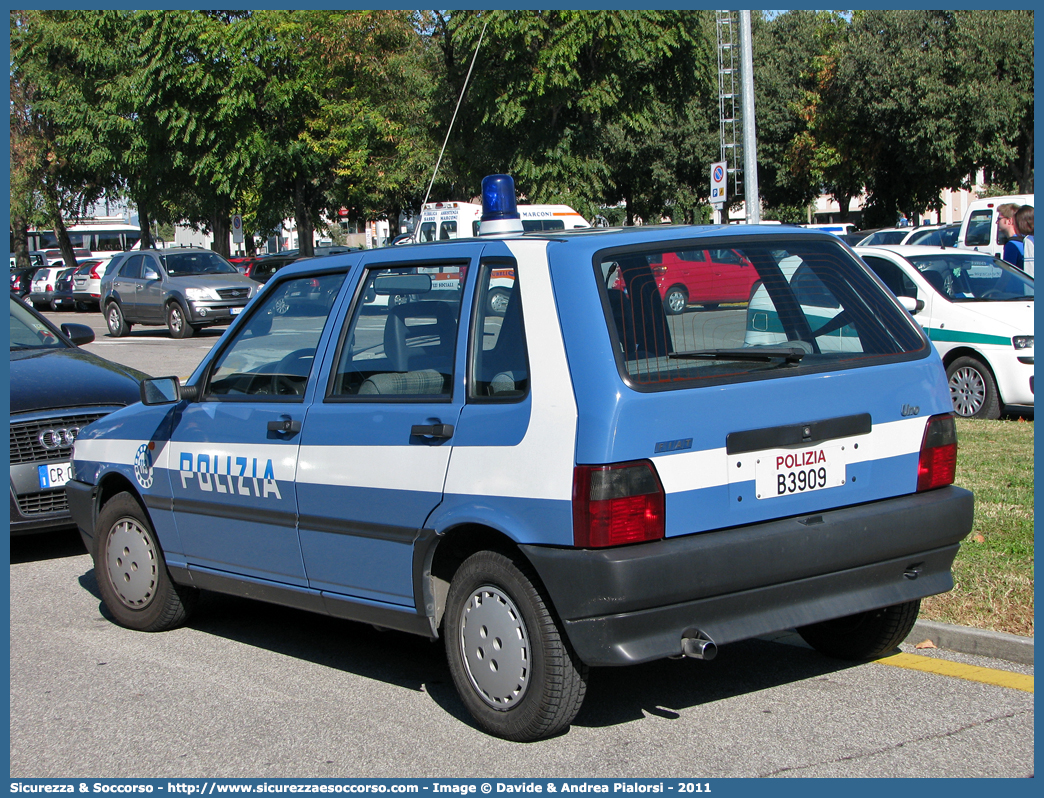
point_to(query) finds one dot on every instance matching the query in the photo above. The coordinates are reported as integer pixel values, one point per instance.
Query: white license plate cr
(236, 311)
(784, 472)
(53, 475)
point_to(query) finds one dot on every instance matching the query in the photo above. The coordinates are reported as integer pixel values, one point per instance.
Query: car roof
(586, 241)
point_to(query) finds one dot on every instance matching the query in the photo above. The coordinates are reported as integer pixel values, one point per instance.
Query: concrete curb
(966, 640)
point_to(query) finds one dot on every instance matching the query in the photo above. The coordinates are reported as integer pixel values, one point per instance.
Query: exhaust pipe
(699, 648)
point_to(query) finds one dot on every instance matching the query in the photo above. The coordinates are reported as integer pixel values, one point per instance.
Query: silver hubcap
(130, 557)
(499, 303)
(676, 301)
(968, 391)
(495, 645)
(114, 319)
(175, 318)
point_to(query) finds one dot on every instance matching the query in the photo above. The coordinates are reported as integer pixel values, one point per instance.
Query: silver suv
(186, 289)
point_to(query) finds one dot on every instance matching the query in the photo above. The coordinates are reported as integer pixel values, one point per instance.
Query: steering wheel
(291, 373)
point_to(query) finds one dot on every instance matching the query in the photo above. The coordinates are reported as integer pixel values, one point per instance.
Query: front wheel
(132, 575)
(177, 322)
(865, 635)
(514, 670)
(497, 302)
(972, 389)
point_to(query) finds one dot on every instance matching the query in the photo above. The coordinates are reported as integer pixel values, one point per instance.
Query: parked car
(707, 277)
(978, 311)
(22, 281)
(56, 389)
(186, 289)
(261, 269)
(87, 282)
(63, 290)
(897, 235)
(941, 236)
(582, 480)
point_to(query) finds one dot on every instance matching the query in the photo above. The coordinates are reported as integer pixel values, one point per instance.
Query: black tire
(865, 635)
(675, 300)
(972, 389)
(526, 683)
(115, 321)
(497, 301)
(177, 321)
(131, 572)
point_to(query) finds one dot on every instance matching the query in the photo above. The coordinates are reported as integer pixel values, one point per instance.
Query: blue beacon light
(499, 211)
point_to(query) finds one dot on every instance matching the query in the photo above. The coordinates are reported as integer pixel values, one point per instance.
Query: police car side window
(401, 340)
(273, 353)
(499, 360)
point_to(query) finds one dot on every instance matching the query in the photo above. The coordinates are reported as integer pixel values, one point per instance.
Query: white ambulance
(441, 221)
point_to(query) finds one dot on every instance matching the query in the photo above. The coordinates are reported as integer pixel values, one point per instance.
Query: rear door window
(812, 306)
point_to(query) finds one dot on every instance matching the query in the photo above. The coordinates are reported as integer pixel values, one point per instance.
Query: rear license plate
(53, 475)
(784, 472)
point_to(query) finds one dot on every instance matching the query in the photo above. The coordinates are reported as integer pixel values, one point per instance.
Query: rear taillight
(937, 465)
(94, 273)
(617, 504)
(49, 287)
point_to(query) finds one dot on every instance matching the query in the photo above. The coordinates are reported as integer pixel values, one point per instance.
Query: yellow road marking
(973, 673)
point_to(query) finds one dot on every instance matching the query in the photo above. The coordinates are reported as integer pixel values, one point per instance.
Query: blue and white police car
(570, 478)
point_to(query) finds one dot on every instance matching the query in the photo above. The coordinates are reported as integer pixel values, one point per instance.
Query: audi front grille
(26, 443)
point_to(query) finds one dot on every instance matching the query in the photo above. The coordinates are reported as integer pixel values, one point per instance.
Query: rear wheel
(676, 300)
(972, 389)
(865, 635)
(514, 670)
(132, 575)
(115, 321)
(177, 322)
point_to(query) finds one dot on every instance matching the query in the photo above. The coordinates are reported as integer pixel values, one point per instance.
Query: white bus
(445, 220)
(98, 236)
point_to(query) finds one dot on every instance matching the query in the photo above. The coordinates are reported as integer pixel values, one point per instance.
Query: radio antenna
(454, 119)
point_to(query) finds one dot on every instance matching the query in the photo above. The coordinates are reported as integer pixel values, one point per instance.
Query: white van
(979, 226)
(445, 220)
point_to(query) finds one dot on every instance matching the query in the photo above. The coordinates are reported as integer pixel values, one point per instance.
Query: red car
(707, 277)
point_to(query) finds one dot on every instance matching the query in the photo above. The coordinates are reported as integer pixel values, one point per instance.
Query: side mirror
(79, 334)
(150, 274)
(912, 304)
(166, 391)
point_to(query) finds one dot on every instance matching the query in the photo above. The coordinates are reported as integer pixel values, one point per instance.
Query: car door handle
(432, 430)
(284, 425)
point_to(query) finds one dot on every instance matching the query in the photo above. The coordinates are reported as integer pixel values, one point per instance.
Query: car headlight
(1022, 341)
(199, 294)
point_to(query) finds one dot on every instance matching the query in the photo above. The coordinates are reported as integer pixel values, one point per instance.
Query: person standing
(1024, 227)
(1008, 235)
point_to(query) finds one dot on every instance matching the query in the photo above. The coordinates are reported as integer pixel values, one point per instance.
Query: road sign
(718, 174)
(237, 229)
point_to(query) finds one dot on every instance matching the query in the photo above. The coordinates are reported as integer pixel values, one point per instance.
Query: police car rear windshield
(729, 309)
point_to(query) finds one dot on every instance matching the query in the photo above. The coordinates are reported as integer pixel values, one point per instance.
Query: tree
(588, 108)
(58, 67)
(996, 68)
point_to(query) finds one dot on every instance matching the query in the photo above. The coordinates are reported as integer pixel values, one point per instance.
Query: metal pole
(752, 198)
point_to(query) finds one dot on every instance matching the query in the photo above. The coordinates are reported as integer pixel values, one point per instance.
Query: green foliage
(193, 115)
